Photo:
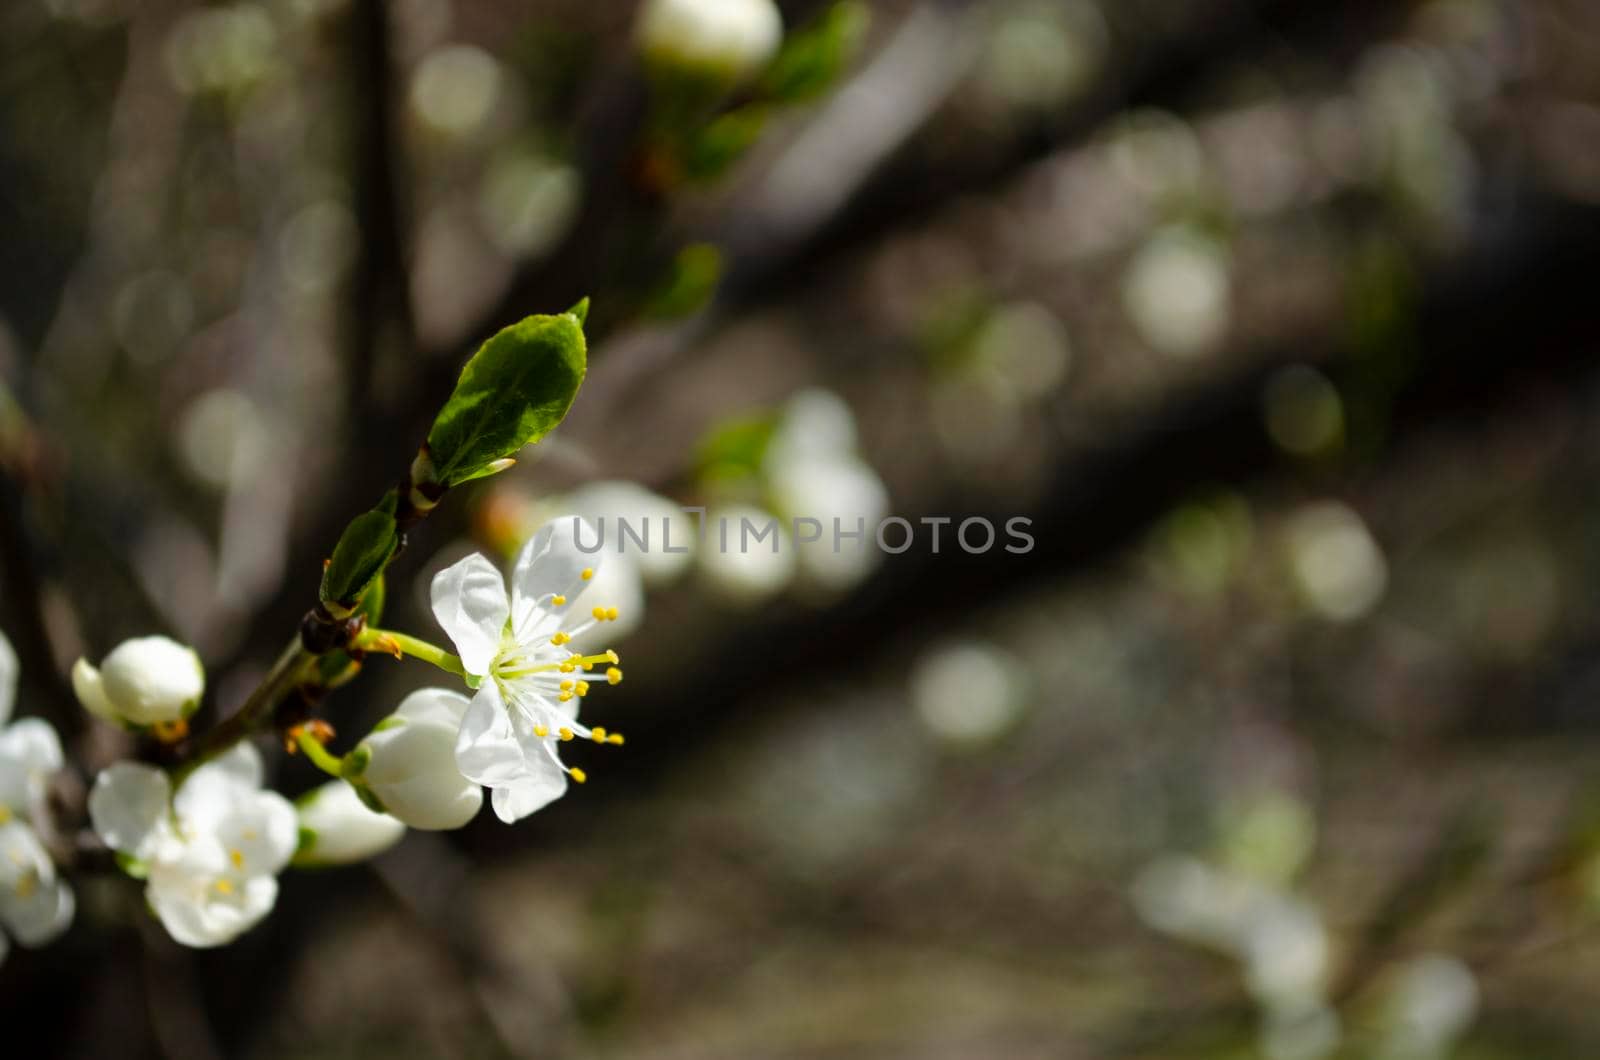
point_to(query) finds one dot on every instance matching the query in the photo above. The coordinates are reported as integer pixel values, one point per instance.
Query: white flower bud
(730, 38)
(144, 681)
(336, 827)
(410, 763)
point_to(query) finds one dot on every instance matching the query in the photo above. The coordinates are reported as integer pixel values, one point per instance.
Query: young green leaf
(364, 549)
(812, 59)
(512, 392)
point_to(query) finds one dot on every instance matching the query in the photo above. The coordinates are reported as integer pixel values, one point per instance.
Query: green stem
(385, 640)
(317, 754)
(289, 671)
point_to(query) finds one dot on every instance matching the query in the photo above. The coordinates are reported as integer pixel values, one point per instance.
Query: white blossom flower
(408, 762)
(516, 650)
(143, 681)
(337, 828)
(211, 852)
(732, 38)
(36, 905)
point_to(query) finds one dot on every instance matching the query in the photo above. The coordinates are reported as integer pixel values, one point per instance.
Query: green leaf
(512, 392)
(709, 152)
(812, 59)
(364, 549)
(736, 448)
(689, 284)
(336, 667)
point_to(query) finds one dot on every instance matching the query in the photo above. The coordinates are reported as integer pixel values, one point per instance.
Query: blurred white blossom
(1338, 567)
(727, 38)
(1177, 292)
(968, 693)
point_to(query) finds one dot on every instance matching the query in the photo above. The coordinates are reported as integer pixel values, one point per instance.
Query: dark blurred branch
(379, 319)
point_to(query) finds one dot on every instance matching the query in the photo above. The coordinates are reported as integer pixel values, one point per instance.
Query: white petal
(469, 600)
(45, 916)
(9, 668)
(550, 564)
(90, 690)
(487, 751)
(443, 705)
(127, 806)
(540, 785)
(241, 764)
(197, 914)
(261, 833)
(32, 744)
(433, 803)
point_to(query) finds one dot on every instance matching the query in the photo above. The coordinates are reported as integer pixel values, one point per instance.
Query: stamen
(577, 774)
(612, 656)
(615, 739)
(558, 600)
(613, 675)
(565, 734)
(224, 886)
(588, 572)
(237, 857)
(598, 735)
(611, 614)
(599, 614)
(566, 686)
(583, 686)
(560, 638)
(565, 697)
(541, 731)
(5, 815)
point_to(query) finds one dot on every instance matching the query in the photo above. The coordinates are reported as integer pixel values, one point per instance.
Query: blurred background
(1278, 320)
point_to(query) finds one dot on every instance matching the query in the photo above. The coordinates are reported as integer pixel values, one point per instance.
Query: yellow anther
(564, 732)
(566, 668)
(587, 665)
(583, 686)
(558, 600)
(541, 731)
(599, 614)
(597, 734)
(579, 775)
(611, 614)
(615, 738)
(5, 815)
(588, 572)
(237, 857)
(224, 886)
(560, 638)
(613, 675)
(565, 697)
(613, 656)
(566, 686)
(26, 886)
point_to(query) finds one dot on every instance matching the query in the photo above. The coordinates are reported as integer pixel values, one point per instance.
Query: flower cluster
(36, 904)
(210, 851)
